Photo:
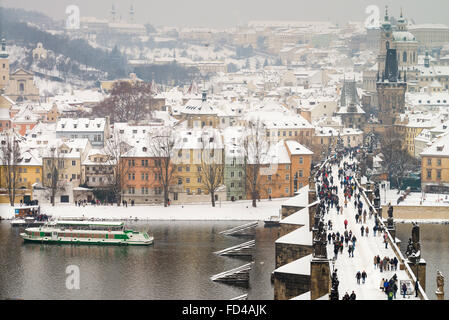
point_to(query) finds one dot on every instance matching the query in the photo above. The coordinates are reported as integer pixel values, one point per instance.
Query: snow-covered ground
(414, 198)
(239, 210)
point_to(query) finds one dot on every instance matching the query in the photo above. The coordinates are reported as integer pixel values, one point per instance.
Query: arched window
(404, 56)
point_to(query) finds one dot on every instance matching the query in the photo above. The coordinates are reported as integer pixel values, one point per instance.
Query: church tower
(391, 90)
(131, 14)
(4, 65)
(386, 38)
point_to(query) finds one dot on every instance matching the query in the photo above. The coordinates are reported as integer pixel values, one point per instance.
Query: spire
(3, 53)
(401, 13)
(386, 14)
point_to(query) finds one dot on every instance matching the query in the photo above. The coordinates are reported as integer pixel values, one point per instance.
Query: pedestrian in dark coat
(358, 276)
(352, 296)
(364, 276)
(404, 290)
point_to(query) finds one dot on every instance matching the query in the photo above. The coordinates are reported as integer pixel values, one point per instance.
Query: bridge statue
(334, 289)
(414, 247)
(320, 242)
(440, 282)
(390, 211)
(377, 191)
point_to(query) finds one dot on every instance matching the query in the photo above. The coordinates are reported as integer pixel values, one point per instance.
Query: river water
(434, 240)
(178, 266)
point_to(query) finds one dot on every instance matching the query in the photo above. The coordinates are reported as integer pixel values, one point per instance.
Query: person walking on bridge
(358, 276)
(367, 231)
(364, 276)
(404, 290)
(346, 223)
(362, 230)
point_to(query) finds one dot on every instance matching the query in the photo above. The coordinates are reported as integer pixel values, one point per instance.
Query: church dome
(403, 36)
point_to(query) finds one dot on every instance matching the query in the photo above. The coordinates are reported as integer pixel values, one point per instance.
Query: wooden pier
(241, 250)
(239, 275)
(247, 229)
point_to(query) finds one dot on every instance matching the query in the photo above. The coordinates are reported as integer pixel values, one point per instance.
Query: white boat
(86, 232)
(28, 216)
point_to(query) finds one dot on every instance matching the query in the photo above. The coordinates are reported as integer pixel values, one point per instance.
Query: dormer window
(74, 126)
(440, 148)
(144, 149)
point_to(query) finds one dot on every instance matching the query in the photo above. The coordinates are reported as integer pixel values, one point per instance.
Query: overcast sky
(229, 13)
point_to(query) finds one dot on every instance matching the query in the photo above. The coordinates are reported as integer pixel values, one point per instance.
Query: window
(179, 180)
(187, 180)
(232, 184)
(199, 179)
(438, 174)
(232, 174)
(300, 173)
(179, 169)
(188, 169)
(269, 177)
(240, 174)
(287, 177)
(286, 190)
(439, 162)
(74, 163)
(269, 190)
(199, 191)
(429, 162)
(429, 173)
(301, 160)
(37, 170)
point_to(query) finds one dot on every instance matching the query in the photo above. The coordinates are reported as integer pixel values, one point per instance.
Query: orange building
(140, 177)
(286, 174)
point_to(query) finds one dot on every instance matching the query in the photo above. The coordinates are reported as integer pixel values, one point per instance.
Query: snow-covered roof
(300, 266)
(81, 125)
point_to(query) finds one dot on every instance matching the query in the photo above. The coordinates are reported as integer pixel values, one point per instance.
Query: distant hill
(13, 28)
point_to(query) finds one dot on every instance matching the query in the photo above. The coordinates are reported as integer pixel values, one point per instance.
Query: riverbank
(239, 210)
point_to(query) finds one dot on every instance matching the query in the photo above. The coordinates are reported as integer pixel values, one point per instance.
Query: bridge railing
(422, 294)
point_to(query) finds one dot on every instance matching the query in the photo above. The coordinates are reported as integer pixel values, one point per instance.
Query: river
(434, 240)
(177, 266)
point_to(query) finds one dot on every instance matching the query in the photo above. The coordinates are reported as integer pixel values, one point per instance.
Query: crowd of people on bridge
(327, 191)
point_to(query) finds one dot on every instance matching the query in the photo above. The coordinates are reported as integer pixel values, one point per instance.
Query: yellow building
(410, 126)
(107, 86)
(435, 166)
(188, 159)
(69, 157)
(29, 171)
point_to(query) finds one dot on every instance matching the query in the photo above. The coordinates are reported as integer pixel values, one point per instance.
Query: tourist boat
(28, 216)
(86, 232)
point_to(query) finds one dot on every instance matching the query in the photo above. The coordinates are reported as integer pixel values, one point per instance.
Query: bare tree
(53, 162)
(116, 147)
(128, 101)
(395, 159)
(162, 143)
(10, 158)
(212, 167)
(256, 148)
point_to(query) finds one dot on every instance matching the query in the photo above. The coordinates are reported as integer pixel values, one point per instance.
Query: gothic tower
(4, 65)
(391, 90)
(386, 38)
